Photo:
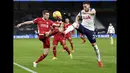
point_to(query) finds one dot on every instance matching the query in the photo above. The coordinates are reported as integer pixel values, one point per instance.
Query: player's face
(110, 24)
(86, 7)
(46, 15)
(67, 20)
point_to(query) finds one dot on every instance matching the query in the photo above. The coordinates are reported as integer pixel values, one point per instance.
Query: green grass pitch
(84, 58)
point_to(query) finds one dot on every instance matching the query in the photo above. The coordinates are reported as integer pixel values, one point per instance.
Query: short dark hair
(45, 11)
(86, 3)
(67, 18)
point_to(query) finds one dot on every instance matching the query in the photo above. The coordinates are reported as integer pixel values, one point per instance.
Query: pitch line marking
(25, 68)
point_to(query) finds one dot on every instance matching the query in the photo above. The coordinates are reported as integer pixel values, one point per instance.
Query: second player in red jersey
(59, 37)
(44, 25)
(68, 36)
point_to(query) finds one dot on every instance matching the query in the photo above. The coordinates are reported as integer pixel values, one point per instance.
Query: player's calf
(66, 48)
(71, 43)
(54, 50)
(97, 54)
(43, 56)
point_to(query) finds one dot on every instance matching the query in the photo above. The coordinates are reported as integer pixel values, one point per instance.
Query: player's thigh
(55, 41)
(81, 29)
(46, 43)
(69, 39)
(62, 41)
(91, 36)
(41, 37)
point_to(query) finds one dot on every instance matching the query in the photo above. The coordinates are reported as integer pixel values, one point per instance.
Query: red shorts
(68, 36)
(45, 41)
(57, 39)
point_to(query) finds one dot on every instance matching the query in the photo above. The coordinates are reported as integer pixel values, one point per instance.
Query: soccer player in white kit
(111, 31)
(86, 27)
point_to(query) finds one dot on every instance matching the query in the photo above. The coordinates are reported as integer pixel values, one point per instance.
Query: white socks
(111, 38)
(97, 52)
(71, 27)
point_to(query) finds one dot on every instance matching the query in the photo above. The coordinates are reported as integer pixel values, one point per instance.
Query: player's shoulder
(38, 18)
(56, 22)
(82, 11)
(50, 21)
(92, 9)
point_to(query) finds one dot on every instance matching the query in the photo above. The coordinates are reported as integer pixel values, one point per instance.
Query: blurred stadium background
(28, 10)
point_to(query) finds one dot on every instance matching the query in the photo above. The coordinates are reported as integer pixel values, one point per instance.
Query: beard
(86, 10)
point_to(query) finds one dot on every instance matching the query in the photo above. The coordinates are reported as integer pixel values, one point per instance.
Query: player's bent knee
(93, 44)
(46, 50)
(54, 45)
(71, 42)
(70, 39)
(64, 45)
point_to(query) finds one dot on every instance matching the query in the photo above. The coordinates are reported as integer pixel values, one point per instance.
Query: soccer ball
(57, 14)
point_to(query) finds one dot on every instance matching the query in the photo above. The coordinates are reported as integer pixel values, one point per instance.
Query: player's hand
(18, 25)
(61, 29)
(46, 34)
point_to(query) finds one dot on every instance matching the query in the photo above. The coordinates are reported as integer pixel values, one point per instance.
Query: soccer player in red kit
(43, 24)
(82, 37)
(59, 37)
(68, 36)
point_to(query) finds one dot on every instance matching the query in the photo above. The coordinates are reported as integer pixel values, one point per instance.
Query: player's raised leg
(71, 27)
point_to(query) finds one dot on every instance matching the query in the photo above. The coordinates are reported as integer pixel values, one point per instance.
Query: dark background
(23, 11)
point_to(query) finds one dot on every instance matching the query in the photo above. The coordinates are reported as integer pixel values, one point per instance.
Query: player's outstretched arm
(92, 12)
(26, 22)
(77, 19)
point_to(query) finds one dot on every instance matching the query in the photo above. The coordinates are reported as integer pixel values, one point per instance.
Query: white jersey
(87, 20)
(111, 29)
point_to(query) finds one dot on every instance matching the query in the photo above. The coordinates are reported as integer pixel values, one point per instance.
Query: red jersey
(43, 25)
(57, 27)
